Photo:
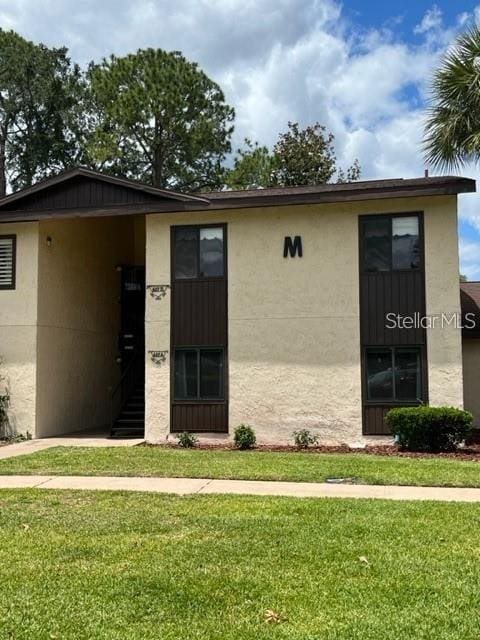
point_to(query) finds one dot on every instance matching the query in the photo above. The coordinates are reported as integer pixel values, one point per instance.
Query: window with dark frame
(198, 252)
(391, 243)
(7, 262)
(394, 374)
(198, 374)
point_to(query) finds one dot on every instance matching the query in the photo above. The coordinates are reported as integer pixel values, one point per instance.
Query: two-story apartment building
(283, 308)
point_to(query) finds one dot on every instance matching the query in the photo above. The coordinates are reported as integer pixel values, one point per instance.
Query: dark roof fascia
(342, 193)
(287, 196)
(88, 212)
(457, 182)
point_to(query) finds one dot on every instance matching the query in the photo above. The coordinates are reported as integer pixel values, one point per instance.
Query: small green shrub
(304, 439)
(4, 406)
(244, 437)
(429, 428)
(187, 440)
(13, 438)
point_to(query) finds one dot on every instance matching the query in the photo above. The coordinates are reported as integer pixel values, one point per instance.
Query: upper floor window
(198, 252)
(7, 261)
(391, 243)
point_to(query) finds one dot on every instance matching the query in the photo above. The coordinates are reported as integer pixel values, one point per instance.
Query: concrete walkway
(189, 486)
(82, 439)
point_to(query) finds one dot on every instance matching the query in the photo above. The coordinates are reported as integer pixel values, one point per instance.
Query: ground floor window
(394, 374)
(198, 374)
(7, 261)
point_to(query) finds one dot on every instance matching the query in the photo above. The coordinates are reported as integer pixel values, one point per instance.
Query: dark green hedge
(429, 428)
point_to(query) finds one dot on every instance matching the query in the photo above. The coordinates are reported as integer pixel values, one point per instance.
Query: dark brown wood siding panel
(200, 417)
(397, 292)
(199, 313)
(373, 420)
(82, 192)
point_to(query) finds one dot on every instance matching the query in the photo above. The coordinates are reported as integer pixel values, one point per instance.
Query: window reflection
(376, 244)
(185, 251)
(211, 252)
(211, 364)
(379, 374)
(405, 244)
(198, 374)
(186, 374)
(407, 374)
(394, 373)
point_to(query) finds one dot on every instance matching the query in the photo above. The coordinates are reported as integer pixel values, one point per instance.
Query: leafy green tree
(162, 120)
(352, 174)
(36, 85)
(254, 167)
(300, 157)
(304, 156)
(452, 130)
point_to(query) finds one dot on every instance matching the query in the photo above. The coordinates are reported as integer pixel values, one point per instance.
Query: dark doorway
(128, 398)
(132, 331)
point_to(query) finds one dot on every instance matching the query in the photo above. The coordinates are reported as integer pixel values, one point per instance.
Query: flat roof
(343, 192)
(84, 192)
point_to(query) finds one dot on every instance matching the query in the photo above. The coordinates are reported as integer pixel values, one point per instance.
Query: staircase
(130, 422)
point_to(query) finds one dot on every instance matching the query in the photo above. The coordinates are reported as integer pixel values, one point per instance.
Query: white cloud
(277, 60)
(432, 19)
(469, 259)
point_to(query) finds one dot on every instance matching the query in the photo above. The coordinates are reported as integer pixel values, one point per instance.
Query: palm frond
(452, 128)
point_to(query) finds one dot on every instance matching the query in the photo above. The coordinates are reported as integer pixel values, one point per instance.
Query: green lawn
(84, 565)
(256, 465)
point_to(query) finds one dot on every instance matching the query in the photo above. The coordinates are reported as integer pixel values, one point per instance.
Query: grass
(112, 566)
(253, 465)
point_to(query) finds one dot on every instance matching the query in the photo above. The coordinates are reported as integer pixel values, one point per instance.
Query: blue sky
(409, 13)
(403, 19)
(361, 67)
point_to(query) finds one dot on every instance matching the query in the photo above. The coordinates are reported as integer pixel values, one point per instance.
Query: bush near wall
(4, 424)
(4, 405)
(430, 428)
(244, 437)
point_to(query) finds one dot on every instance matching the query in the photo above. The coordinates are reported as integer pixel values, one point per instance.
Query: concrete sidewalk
(189, 486)
(81, 439)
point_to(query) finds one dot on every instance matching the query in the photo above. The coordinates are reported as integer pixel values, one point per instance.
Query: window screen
(7, 262)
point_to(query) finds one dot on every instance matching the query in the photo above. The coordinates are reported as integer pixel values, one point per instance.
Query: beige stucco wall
(444, 343)
(294, 354)
(471, 377)
(78, 319)
(18, 329)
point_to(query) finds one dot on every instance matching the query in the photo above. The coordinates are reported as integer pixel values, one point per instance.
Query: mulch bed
(471, 453)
